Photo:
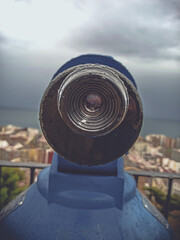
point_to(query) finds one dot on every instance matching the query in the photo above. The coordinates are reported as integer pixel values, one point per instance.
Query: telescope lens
(91, 114)
(93, 102)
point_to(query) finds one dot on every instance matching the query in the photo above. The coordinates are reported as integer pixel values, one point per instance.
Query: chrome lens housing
(91, 114)
(92, 102)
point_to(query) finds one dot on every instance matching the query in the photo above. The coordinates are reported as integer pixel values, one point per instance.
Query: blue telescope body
(85, 193)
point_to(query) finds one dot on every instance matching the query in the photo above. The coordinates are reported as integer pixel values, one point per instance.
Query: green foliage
(9, 184)
(166, 152)
(160, 198)
(175, 202)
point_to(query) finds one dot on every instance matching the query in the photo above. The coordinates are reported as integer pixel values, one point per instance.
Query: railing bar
(134, 173)
(32, 175)
(167, 202)
(154, 174)
(136, 179)
(4, 163)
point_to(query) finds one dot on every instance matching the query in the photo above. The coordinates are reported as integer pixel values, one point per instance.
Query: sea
(29, 118)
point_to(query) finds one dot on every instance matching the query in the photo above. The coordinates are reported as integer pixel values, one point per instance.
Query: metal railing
(32, 166)
(169, 176)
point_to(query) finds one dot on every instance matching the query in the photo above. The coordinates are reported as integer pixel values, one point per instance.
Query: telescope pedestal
(71, 206)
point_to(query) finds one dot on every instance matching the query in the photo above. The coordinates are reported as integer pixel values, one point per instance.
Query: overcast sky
(38, 36)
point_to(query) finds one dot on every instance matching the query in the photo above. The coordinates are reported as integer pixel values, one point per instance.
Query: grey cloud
(171, 7)
(12, 44)
(24, 75)
(147, 30)
(139, 42)
(3, 39)
(129, 32)
(26, 1)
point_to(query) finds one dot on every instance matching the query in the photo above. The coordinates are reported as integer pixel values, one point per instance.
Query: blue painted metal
(72, 202)
(82, 206)
(100, 59)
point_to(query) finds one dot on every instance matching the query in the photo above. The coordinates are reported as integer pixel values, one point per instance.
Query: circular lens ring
(80, 115)
(91, 116)
(100, 146)
(76, 107)
(91, 119)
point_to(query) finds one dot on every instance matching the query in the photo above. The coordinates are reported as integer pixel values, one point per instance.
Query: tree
(9, 184)
(160, 198)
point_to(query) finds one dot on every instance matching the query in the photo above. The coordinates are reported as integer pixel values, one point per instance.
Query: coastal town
(157, 153)
(153, 153)
(23, 145)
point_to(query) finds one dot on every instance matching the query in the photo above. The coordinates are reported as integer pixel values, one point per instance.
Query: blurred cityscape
(152, 153)
(23, 144)
(157, 153)
(19, 144)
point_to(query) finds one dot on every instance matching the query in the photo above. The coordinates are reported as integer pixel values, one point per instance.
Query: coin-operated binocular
(91, 115)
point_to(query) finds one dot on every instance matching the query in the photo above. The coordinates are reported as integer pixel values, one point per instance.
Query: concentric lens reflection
(91, 103)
